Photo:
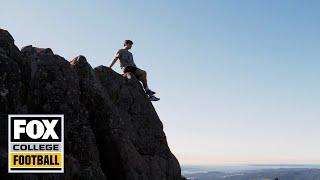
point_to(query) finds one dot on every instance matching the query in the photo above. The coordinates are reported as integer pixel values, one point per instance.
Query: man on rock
(127, 64)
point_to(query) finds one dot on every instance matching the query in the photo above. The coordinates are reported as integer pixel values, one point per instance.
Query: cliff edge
(112, 130)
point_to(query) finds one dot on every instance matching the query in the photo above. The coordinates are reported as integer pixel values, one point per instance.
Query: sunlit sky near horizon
(238, 79)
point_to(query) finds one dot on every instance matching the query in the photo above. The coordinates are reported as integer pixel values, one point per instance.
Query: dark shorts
(131, 69)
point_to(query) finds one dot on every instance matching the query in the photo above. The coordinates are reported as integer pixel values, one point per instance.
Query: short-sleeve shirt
(125, 58)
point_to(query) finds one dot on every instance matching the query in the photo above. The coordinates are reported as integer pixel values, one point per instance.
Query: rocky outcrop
(112, 131)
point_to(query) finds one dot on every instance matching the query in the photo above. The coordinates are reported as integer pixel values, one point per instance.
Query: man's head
(127, 44)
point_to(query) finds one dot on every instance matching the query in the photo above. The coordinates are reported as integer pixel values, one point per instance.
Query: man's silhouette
(127, 64)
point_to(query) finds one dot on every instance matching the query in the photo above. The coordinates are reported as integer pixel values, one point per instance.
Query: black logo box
(25, 138)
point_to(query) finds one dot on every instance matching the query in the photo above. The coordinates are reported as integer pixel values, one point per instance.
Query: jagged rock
(112, 130)
(29, 50)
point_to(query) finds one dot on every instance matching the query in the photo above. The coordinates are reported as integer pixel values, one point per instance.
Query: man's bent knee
(144, 73)
(140, 72)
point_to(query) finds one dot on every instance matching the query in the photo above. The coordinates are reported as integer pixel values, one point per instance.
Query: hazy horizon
(238, 80)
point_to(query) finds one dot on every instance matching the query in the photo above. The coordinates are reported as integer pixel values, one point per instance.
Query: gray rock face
(112, 131)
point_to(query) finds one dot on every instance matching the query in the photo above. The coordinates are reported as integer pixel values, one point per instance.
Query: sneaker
(153, 98)
(150, 93)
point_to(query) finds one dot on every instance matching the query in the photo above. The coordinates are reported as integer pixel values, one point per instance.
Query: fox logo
(35, 129)
(36, 143)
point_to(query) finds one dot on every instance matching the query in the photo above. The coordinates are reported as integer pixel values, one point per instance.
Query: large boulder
(112, 130)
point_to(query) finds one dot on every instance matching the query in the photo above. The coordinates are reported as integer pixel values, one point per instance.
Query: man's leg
(142, 76)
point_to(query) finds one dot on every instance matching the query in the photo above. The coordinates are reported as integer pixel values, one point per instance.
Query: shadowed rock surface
(112, 131)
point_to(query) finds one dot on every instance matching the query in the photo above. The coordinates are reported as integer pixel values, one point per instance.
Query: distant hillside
(265, 174)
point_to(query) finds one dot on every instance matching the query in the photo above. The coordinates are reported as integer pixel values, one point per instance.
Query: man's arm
(114, 61)
(116, 57)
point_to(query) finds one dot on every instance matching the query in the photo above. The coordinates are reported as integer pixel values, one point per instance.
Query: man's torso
(126, 58)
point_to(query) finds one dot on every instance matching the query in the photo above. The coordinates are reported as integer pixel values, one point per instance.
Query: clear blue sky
(238, 79)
